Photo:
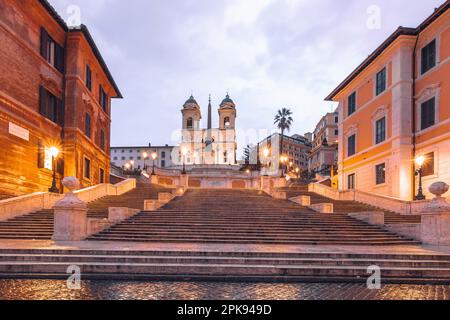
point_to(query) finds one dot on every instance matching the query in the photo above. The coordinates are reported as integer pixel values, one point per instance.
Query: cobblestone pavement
(119, 290)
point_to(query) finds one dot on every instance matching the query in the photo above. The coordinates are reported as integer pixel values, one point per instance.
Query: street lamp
(184, 152)
(297, 171)
(145, 155)
(154, 156)
(420, 161)
(54, 152)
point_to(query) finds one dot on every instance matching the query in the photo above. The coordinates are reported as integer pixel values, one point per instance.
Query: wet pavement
(125, 290)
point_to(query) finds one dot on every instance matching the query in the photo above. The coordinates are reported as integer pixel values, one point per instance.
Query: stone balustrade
(19, 206)
(379, 201)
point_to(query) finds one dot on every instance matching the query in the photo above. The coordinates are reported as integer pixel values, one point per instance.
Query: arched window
(190, 123)
(226, 122)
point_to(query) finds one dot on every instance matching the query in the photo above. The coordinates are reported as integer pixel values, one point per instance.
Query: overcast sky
(267, 53)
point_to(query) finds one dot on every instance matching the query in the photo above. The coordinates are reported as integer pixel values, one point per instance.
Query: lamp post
(420, 161)
(184, 152)
(297, 171)
(145, 155)
(54, 153)
(154, 156)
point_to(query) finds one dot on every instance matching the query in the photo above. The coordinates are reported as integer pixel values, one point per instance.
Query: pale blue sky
(267, 53)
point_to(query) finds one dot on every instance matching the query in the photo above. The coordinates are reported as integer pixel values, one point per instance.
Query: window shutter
(44, 41)
(100, 95)
(42, 101)
(60, 112)
(40, 155)
(60, 166)
(59, 57)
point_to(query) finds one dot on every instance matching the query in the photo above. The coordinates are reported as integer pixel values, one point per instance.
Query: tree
(283, 120)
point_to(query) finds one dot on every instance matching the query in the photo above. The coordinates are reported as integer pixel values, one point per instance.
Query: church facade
(210, 146)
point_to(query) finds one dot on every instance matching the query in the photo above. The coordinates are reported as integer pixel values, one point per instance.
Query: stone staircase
(348, 206)
(246, 217)
(39, 225)
(225, 266)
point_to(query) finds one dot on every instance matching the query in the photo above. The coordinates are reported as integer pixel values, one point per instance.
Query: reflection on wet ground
(126, 290)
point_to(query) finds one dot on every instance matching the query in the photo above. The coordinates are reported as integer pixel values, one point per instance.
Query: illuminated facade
(394, 108)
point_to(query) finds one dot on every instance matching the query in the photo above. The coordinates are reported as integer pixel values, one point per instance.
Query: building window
(428, 165)
(381, 81)
(163, 155)
(429, 56)
(51, 107)
(225, 157)
(336, 132)
(336, 119)
(163, 163)
(380, 171)
(123, 158)
(428, 113)
(87, 168)
(88, 78)
(102, 175)
(102, 140)
(380, 130)
(226, 122)
(103, 99)
(87, 125)
(52, 52)
(352, 103)
(351, 145)
(351, 182)
(115, 158)
(190, 123)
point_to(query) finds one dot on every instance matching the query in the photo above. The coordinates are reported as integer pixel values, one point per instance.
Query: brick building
(55, 90)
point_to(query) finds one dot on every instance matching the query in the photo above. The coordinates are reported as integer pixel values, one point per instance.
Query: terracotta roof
(89, 39)
(399, 32)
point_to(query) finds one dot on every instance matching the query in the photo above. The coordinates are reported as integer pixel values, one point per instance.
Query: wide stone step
(182, 259)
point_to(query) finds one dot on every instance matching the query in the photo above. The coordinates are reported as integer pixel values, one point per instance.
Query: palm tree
(283, 120)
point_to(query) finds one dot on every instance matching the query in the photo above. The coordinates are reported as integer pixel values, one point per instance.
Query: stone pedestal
(70, 217)
(302, 200)
(184, 181)
(435, 225)
(435, 228)
(154, 179)
(322, 207)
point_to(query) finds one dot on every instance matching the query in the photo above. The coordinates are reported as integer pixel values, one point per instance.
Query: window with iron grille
(380, 171)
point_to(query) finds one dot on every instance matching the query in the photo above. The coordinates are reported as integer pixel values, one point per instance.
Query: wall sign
(18, 131)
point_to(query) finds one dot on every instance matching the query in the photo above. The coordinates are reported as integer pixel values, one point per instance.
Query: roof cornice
(401, 31)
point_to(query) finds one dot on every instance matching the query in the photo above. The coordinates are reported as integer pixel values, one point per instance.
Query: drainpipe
(414, 120)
